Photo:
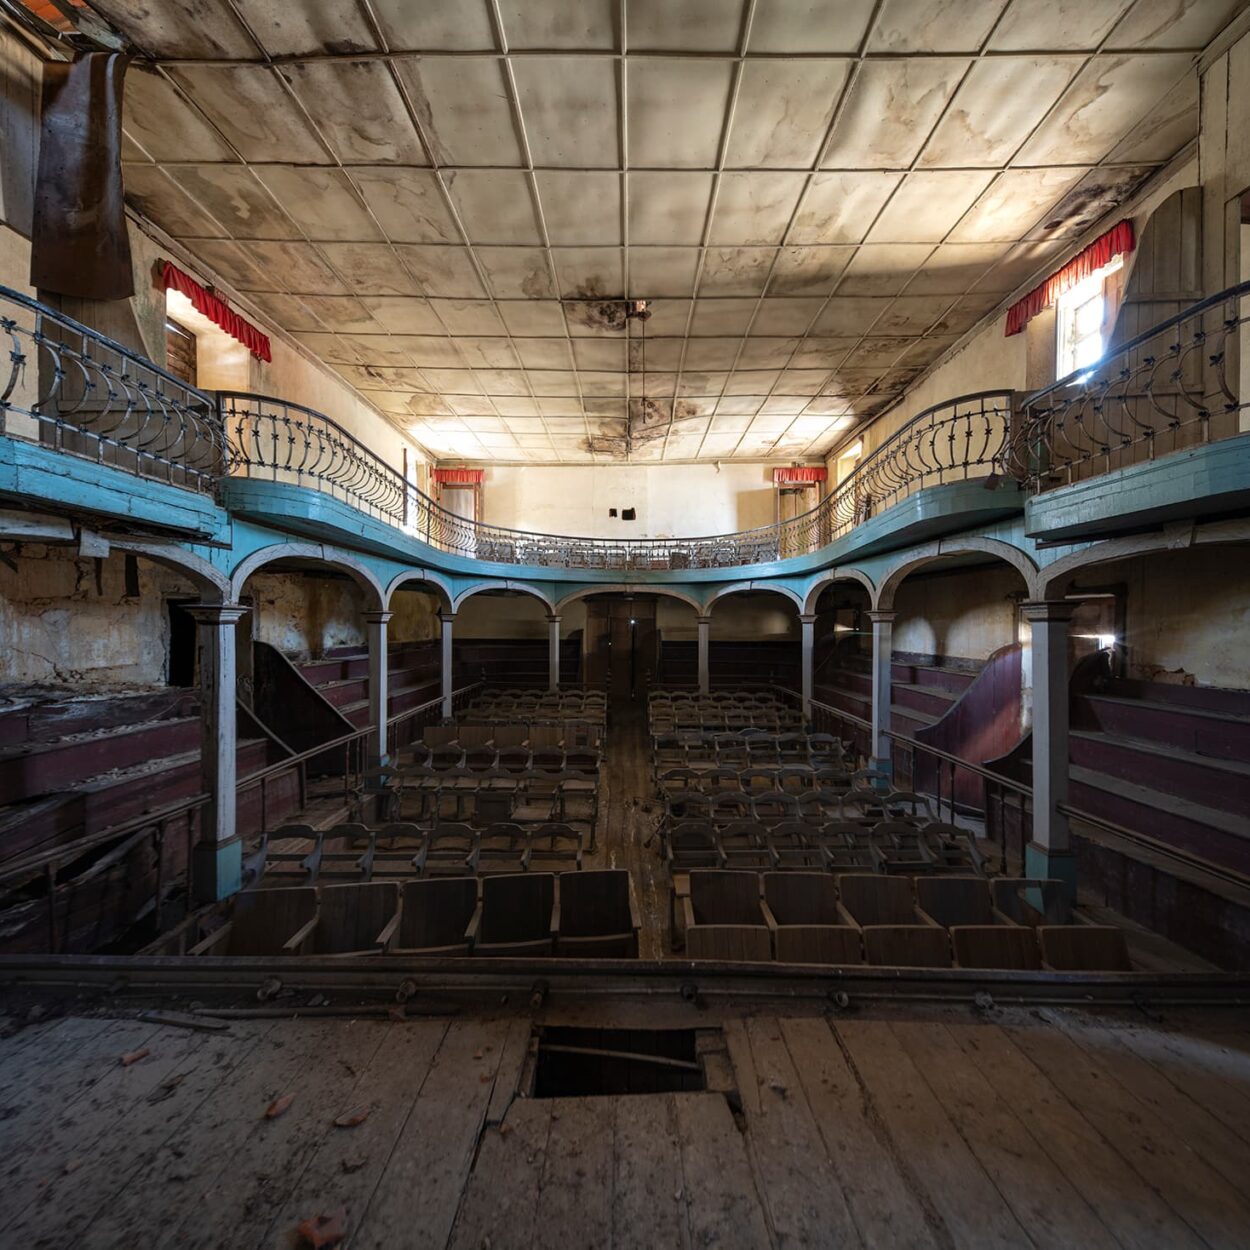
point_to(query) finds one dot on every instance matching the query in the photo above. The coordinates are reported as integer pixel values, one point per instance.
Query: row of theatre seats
(545, 707)
(670, 711)
(921, 922)
(402, 849)
(575, 914)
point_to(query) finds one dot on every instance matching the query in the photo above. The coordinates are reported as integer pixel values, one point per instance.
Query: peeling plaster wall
(305, 616)
(682, 500)
(61, 628)
(957, 615)
(415, 617)
(19, 125)
(1187, 615)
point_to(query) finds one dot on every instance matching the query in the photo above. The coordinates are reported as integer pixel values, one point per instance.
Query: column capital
(882, 616)
(703, 620)
(1048, 611)
(377, 618)
(554, 618)
(218, 613)
(447, 618)
(807, 618)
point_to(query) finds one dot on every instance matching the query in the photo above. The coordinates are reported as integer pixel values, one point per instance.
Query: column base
(882, 765)
(1050, 864)
(217, 869)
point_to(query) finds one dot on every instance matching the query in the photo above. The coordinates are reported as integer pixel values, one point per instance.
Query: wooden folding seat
(536, 797)
(510, 736)
(518, 915)
(481, 758)
(995, 946)
(356, 919)
(951, 900)
(830, 777)
(801, 909)
(457, 793)
(288, 865)
(341, 853)
(907, 804)
(437, 917)
(1083, 948)
(792, 845)
(598, 915)
(726, 906)
(792, 748)
(554, 845)
(419, 787)
(824, 750)
(514, 759)
(450, 850)
(907, 945)
(262, 922)
(473, 737)
(435, 736)
(953, 849)
(577, 797)
(719, 777)
(394, 853)
(873, 900)
(1031, 900)
(493, 800)
(501, 847)
(900, 847)
(742, 845)
(446, 756)
(692, 844)
(863, 802)
(772, 809)
(819, 806)
(728, 805)
(796, 778)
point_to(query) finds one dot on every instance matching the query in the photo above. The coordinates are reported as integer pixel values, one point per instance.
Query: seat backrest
(1084, 948)
(517, 907)
(595, 902)
(265, 919)
(352, 915)
(907, 946)
(721, 896)
(436, 912)
(801, 897)
(995, 946)
(955, 900)
(876, 899)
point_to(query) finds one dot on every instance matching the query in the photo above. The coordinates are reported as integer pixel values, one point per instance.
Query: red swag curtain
(217, 311)
(1116, 242)
(458, 477)
(796, 475)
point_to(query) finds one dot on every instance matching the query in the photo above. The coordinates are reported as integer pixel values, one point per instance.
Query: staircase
(1172, 762)
(920, 694)
(341, 677)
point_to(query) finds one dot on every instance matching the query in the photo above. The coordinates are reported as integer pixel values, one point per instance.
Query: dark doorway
(182, 641)
(621, 644)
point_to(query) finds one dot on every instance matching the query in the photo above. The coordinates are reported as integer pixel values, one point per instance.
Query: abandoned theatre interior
(624, 623)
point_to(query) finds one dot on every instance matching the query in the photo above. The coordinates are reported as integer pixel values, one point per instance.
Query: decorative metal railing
(1177, 385)
(284, 442)
(75, 390)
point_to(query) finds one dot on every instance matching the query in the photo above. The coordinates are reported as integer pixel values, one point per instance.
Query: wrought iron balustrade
(284, 442)
(70, 388)
(1177, 385)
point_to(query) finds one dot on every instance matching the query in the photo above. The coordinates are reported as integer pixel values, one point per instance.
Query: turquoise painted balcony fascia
(33, 473)
(1209, 480)
(930, 513)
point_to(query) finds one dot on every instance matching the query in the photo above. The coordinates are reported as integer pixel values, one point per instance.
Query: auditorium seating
(863, 918)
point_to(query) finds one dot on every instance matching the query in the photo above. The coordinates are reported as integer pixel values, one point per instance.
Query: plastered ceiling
(442, 198)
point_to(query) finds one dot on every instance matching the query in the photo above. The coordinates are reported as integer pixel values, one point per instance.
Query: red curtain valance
(217, 311)
(797, 475)
(459, 477)
(1116, 242)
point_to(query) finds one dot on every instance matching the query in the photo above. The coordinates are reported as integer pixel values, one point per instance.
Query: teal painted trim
(1210, 480)
(931, 513)
(44, 477)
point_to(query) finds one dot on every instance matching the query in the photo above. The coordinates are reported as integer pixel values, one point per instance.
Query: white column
(705, 642)
(217, 859)
(807, 623)
(448, 619)
(553, 652)
(379, 686)
(1049, 854)
(882, 659)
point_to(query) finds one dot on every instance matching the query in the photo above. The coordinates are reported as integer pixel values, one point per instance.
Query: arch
(435, 580)
(932, 552)
(616, 588)
(837, 575)
(212, 584)
(738, 587)
(1052, 578)
(481, 587)
(357, 571)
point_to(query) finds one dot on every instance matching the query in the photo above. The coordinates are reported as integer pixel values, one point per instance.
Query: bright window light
(1082, 321)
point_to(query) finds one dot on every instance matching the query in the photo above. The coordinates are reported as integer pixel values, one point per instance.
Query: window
(180, 351)
(1084, 321)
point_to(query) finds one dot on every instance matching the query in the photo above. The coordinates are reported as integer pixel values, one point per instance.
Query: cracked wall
(71, 622)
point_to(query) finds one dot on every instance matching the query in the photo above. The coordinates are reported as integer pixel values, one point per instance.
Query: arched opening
(959, 670)
(502, 638)
(754, 639)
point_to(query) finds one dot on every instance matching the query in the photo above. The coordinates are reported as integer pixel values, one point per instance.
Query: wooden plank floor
(917, 1127)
